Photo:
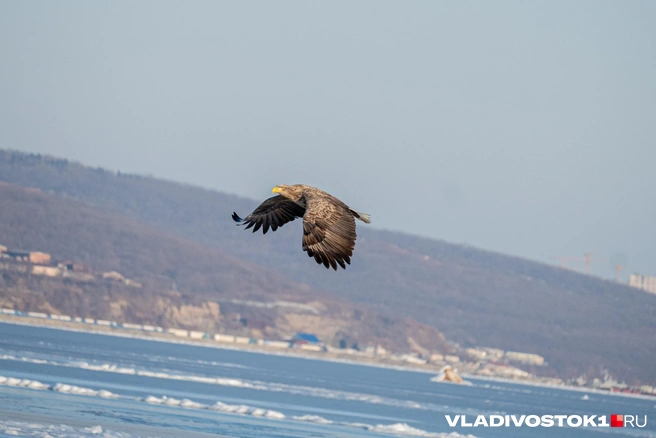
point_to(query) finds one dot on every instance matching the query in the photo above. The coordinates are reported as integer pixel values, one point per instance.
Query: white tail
(364, 217)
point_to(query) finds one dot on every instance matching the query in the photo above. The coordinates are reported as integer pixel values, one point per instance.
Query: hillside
(580, 324)
(184, 284)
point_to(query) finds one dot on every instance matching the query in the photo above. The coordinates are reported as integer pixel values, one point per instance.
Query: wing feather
(329, 232)
(272, 213)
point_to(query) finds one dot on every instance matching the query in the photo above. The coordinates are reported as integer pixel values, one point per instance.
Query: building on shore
(48, 271)
(301, 338)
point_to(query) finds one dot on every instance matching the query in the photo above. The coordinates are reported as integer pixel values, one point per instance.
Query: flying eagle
(328, 224)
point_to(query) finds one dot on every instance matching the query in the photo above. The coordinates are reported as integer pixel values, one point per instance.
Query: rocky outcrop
(448, 374)
(204, 317)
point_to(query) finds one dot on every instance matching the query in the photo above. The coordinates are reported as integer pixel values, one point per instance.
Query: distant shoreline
(300, 354)
(248, 348)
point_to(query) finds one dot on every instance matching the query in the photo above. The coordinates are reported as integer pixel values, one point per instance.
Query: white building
(61, 317)
(644, 282)
(196, 335)
(178, 332)
(224, 338)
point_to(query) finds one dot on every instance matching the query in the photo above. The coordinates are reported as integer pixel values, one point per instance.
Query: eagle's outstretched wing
(274, 212)
(329, 233)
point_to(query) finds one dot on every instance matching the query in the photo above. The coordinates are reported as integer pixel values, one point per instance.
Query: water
(56, 383)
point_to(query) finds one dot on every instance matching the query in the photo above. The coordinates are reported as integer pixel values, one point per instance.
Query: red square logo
(616, 420)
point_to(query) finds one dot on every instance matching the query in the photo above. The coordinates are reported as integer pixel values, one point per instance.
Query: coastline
(329, 356)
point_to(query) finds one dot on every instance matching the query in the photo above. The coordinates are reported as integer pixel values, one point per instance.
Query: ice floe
(24, 383)
(59, 387)
(312, 419)
(72, 389)
(26, 429)
(218, 406)
(247, 410)
(311, 391)
(38, 430)
(403, 429)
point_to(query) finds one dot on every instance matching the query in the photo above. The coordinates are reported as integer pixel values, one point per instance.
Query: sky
(527, 128)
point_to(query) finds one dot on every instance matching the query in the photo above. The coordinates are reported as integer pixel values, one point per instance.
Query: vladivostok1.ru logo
(620, 420)
(613, 420)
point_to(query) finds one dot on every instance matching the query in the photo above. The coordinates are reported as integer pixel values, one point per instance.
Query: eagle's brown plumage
(328, 224)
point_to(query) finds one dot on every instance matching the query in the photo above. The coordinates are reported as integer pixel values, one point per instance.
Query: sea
(62, 383)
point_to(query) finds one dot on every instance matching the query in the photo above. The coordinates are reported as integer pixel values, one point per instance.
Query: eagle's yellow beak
(276, 189)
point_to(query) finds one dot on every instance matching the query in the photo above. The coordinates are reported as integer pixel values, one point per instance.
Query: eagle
(328, 223)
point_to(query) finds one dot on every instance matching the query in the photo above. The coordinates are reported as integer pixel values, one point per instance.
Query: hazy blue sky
(523, 127)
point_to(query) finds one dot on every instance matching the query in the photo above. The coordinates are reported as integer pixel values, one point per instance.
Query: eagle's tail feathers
(364, 217)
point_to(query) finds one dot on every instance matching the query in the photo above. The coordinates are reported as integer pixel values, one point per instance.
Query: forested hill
(580, 324)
